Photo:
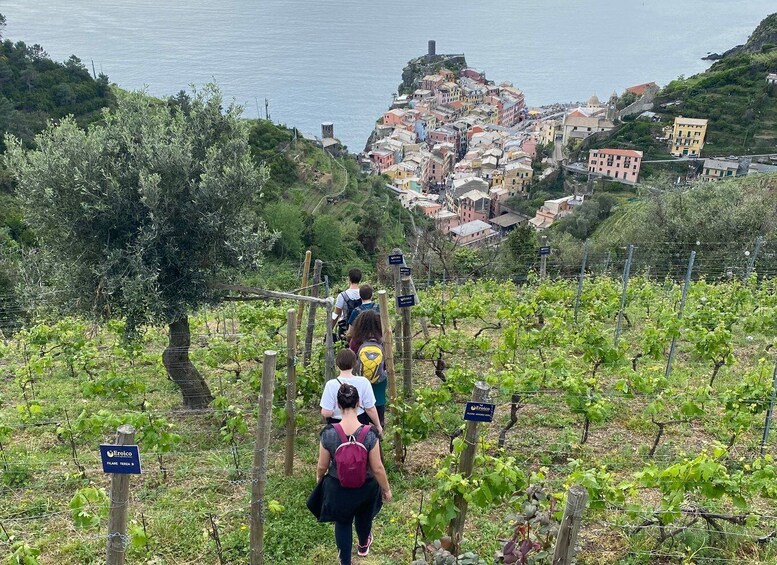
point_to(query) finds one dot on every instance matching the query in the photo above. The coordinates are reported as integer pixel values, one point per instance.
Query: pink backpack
(351, 458)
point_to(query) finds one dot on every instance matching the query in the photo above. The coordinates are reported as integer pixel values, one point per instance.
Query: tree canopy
(140, 214)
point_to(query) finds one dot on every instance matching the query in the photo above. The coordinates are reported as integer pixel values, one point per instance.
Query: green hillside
(732, 94)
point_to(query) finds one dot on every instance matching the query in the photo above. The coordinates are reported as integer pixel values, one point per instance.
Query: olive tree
(142, 213)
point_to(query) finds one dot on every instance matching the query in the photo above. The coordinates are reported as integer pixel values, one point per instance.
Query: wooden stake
(466, 463)
(407, 342)
(397, 292)
(305, 273)
(312, 314)
(388, 350)
(564, 554)
(291, 389)
(117, 515)
(259, 482)
(329, 366)
(543, 257)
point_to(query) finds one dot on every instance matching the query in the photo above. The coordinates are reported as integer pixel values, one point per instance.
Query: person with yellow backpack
(367, 343)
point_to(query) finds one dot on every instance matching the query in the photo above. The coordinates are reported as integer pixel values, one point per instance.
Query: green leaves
(493, 480)
(88, 507)
(22, 554)
(152, 205)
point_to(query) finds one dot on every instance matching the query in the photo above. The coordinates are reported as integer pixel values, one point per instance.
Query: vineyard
(676, 455)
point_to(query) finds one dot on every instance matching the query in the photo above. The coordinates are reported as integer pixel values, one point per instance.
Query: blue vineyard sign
(404, 271)
(122, 459)
(406, 301)
(545, 250)
(479, 412)
(395, 259)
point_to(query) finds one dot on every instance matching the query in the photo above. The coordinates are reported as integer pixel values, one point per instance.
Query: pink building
(474, 74)
(619, 164)
(428, 208)
(394, 117)
(445, 134)
(474, 205)
(445, 220)
(432, 82)
(381, 159)
(530, 147)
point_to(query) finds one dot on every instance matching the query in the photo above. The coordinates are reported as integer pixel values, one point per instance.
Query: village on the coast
(459, 147)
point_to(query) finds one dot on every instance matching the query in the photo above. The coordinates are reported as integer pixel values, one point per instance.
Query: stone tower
(327, 130)
(432, 48)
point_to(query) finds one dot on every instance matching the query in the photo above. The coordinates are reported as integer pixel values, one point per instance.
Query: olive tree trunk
(194, 389)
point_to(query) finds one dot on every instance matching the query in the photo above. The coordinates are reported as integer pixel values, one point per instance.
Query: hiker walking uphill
(367, 343)
(365, 412)
(346, 302)
(352, 482)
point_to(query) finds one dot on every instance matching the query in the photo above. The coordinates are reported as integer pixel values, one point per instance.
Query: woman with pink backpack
(352, 482)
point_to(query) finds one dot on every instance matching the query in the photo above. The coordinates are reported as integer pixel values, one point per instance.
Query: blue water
(340, 60)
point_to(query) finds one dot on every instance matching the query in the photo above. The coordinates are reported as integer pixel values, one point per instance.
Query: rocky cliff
(764, 38)
(419, 67)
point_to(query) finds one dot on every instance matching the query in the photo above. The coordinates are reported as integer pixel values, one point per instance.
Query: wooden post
(259, 482)
(329, 367)
(686, 286)
(407, 341)
(305, 273)
(117, 515)
(768, 422)
(759, 241)
(626, 271)
(397, 336)
(543, 258)
(466, 463)
(397, 292)
(291, 389)
(582, 277)
(312, 314)
(564, 554)
(388, 350)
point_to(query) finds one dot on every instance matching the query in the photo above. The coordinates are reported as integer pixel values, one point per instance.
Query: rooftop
(517, 165)
(691, 121)
(508, 220)
(471, 227)
(720, 164)
(474, 195)
(444, 214)
(640, 89)
(622, 152)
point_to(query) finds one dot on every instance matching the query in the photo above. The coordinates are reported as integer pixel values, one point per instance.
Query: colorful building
(474, 205)
(517, 177)
(553, 210)
(687, 137)
(473, 233)
(620, 164)
(716, 169)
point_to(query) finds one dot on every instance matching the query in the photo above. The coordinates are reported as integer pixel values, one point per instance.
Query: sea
(341, 60)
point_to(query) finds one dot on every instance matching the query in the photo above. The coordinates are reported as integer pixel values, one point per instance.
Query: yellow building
(687, 137)
(548, 131)
(517, 176)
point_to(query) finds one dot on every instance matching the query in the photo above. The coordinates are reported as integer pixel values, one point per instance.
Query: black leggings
(344, 534)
